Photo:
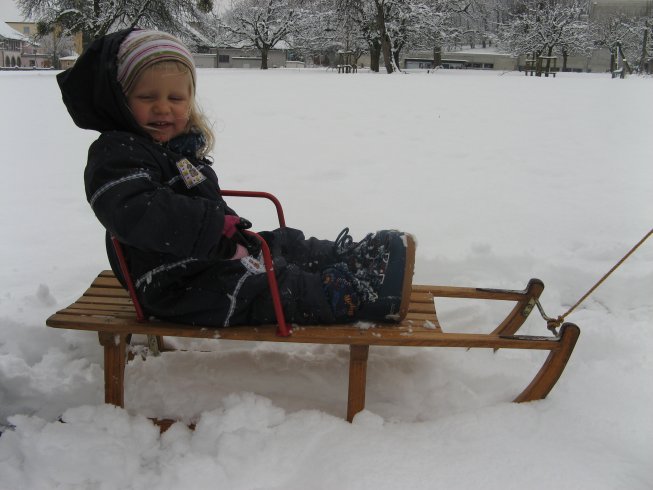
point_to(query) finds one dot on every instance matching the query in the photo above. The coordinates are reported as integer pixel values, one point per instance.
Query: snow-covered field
(501, 177)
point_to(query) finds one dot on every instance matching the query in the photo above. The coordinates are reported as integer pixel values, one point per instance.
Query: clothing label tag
(189, 173)
(253, 265)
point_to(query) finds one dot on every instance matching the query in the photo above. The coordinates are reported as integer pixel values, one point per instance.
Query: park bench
(114, 313)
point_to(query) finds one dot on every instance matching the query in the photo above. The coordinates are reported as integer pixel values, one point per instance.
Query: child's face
(160, 102)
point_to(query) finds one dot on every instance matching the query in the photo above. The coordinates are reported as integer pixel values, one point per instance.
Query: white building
(11, 47)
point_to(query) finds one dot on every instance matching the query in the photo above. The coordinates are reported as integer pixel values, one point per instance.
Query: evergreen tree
(94, 18)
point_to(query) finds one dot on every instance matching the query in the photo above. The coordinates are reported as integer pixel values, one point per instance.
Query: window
(223, 58)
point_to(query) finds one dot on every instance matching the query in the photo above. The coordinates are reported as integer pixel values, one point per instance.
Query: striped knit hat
(142, 49)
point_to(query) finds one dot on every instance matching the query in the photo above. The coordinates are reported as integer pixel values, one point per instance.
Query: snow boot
(337, 284)
(382, 266)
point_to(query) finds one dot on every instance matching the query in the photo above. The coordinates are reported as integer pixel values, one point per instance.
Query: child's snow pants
(236, 292)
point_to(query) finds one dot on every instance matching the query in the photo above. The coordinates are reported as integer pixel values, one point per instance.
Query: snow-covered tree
(646, 32)
(386, 27)
(542, 27)
(619, 34)
(440, 25)
(321, 30)
(94, 18)
(261, 24)
(384, 24)
(56, 45)
(358, 19)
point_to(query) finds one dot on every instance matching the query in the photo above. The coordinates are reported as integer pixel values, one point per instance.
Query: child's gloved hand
(231, 223)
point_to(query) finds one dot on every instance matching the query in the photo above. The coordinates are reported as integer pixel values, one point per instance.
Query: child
(150, 184)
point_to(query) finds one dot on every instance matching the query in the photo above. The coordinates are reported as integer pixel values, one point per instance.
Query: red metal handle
(264, 195)
(140, 315)
(283, 329)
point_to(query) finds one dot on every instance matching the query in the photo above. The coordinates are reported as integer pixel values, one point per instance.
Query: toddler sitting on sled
(151, 185)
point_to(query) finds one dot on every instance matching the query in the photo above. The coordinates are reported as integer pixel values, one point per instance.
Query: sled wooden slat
(98, 300)
(107, 292)
(127, 308)
(106, 282)
(105, 308)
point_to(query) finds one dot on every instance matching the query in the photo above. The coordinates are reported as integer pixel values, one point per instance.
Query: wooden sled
(112, 312)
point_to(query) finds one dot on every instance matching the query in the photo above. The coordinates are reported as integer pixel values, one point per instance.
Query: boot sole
(408, 277)
(394, 297)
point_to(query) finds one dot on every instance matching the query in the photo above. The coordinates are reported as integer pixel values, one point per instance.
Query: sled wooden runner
(107, 309)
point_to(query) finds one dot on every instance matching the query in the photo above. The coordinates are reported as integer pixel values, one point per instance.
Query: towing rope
(553, 323)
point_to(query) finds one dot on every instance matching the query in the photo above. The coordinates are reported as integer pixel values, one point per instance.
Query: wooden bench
(106, 308)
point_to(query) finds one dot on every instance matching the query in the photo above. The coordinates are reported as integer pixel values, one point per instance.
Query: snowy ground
(501, 177)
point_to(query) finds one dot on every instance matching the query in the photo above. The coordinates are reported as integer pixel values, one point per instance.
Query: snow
(501, 177)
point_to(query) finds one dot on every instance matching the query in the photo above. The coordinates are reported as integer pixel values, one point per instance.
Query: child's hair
(142, 50)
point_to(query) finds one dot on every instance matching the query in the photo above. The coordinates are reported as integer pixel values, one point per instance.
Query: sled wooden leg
(357, 379)
(555, 363)
(155, 345)
(160, 343)
(115, 346)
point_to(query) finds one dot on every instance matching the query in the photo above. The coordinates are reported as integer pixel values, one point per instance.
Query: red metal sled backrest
(283, 329)
(264, 195)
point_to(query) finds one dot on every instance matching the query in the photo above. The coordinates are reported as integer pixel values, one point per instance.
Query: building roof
(280, 46)
(10, 33)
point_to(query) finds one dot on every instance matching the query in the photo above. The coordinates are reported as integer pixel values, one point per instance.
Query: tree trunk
(383, 35)
(624, 61)
(395, 55)
(375, 55)
(264, 58)
(437, 55)
(548, 61)
(565, 55)
(387, 54)
(642, 61)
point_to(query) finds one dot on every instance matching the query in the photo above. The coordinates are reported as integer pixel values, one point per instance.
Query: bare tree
(385, 25)
(540, 27)
(319, 29)
(440, 25)
(260, 24)
(619, 34)
(56, 45)
(646, 29)
(359, 16)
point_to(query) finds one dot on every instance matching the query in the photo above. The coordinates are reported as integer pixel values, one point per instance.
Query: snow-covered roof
(10, 33)
(493, 51)
(281, 45)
